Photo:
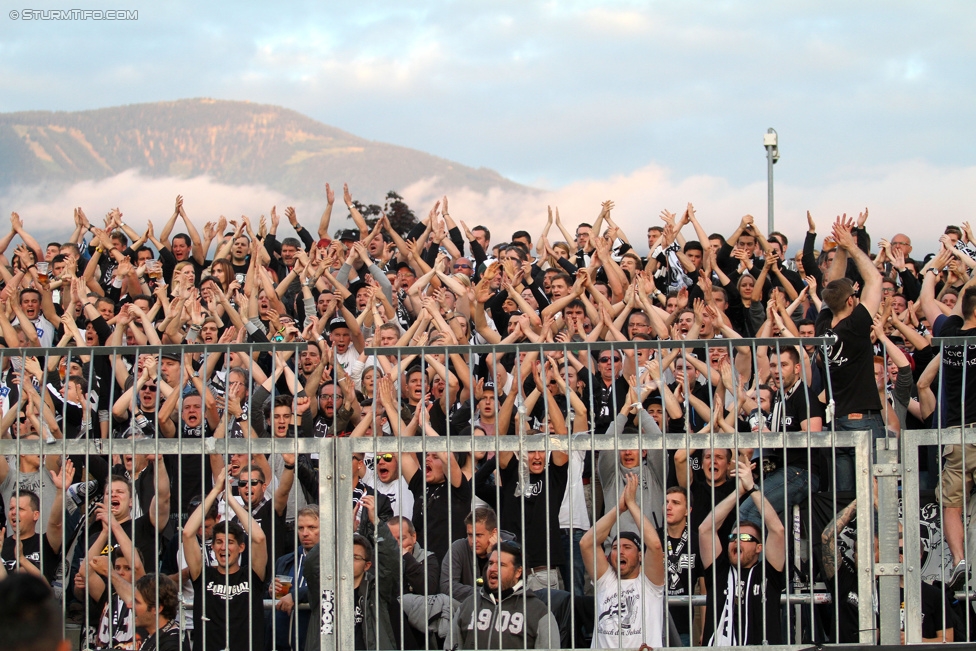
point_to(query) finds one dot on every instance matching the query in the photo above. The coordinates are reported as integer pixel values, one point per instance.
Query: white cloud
(143, 199)
(913, 197)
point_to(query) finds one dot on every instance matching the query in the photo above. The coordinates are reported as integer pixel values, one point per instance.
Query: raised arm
(191, 547)
(870, 277)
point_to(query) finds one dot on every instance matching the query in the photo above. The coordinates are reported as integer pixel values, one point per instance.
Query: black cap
(632, 537)
(337, 322)
(348, 234)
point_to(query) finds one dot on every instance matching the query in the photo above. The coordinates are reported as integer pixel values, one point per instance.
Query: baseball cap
(337, 322)
(348, 234)
(632, 537)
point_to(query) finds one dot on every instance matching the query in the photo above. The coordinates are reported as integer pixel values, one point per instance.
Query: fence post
(328, 614)
(889, 569)
(913, 547)
(341, 545)
(865, 538)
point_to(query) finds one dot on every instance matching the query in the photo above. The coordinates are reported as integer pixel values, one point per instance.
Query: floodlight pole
(770, 142)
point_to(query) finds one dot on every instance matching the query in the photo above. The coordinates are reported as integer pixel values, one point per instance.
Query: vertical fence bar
(889, 576)
(913, 553)
(326, 618)
(342, 549)
(865, 538)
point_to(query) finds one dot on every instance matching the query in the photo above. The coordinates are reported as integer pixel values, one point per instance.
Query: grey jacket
(524, 620)
(431, 613)
(458, 570)
(651, 472)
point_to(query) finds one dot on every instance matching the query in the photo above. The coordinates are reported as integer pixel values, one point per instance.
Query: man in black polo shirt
(853, 398)
(26, 550)
(795, 409)
(745, 586)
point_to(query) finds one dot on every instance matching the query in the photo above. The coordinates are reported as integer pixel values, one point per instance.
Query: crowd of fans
(486, 549)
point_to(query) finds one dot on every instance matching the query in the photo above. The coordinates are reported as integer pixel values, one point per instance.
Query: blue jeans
(789, 482)
(571, 547)
(844, 462)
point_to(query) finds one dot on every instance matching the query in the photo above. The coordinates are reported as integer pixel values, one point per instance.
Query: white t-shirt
(398, 490)
(578, 517)
(632, 618)
(45, 330)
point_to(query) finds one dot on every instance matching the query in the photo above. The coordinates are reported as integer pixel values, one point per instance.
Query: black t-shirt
(952, 371)
(701, 496)
(756, 611)
(432, 507)
(541, 540)
(240, 270)
(850, 361)
(235, 604)
(37, 550)
(189, 473)
(684, 566)
(143, 535)
(787, 416)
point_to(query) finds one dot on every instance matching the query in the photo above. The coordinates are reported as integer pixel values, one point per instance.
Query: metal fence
(889, 483)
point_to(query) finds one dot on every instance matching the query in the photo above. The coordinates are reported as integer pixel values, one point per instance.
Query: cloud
(914, 197)
(49, 212)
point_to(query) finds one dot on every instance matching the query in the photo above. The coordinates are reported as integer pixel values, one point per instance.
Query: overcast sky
(650, 103)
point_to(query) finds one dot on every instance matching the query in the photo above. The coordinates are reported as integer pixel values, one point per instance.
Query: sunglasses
(743, 537)
(384, 457)
(149, 387)
(462, 266)
(243, 483)
(606, 360)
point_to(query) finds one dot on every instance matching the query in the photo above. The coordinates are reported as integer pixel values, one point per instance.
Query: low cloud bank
(912, 197)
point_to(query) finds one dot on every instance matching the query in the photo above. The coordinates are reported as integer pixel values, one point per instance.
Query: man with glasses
(463, 266)
(385, 477)
(268, 514)
(333, 417)
(744, 595)
(608, 389)
(369, 506)
(374, 629)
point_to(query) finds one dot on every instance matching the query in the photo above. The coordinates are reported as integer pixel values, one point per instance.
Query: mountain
(236, 143)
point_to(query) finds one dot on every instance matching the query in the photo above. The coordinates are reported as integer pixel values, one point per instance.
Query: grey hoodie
(651, 472)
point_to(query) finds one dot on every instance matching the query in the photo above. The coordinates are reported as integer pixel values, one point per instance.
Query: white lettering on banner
(228, 591)
(328, 612)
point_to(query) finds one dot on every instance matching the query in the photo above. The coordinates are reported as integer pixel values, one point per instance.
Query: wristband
(291, 467)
